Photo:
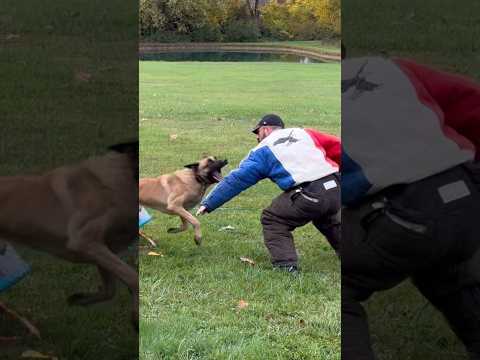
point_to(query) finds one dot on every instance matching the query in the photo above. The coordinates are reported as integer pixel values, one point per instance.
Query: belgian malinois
(85, 213)
(181, 191)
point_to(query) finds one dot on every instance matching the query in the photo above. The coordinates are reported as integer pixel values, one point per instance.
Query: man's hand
(201, 211)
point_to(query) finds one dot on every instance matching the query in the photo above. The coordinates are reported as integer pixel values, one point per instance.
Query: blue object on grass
(12, 268)
(143, 216)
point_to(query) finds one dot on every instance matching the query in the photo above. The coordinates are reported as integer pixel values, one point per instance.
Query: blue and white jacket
(288, 157)
(402, 122)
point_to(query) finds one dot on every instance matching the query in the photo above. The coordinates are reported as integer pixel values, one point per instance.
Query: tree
(239, 20)
(302, 19)
(151, 18)
(252, 6)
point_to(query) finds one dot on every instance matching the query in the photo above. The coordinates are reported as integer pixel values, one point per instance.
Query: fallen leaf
(247, 260)
(226, 228)
(83, 76)
(173, 137)
(8, 338)
(12, 36)
(154, 253)
(242, 304)
(31, 354)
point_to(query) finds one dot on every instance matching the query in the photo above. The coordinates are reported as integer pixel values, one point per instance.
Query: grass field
(69, 89)
(189, 296)
(441, 34)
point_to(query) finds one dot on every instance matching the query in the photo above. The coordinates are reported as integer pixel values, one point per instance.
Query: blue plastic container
(12, 268)
(143, 216)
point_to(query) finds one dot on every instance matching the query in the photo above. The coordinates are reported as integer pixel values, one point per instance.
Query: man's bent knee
(267, 217)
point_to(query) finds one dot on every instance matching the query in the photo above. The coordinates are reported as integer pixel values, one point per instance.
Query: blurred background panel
(69, 90)
(444, 36)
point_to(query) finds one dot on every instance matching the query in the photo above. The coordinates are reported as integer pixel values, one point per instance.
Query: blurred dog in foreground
(181, 191)
(84, 213)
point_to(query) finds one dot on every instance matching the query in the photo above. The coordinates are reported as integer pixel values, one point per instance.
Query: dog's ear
(192, 166)
(129, 149)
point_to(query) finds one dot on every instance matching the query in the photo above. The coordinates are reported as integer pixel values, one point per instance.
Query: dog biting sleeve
(251, 170)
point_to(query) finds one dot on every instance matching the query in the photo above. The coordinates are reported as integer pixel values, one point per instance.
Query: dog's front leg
(86, 238)
(182, 227)
(105, 293)
(186, 216)
(107, 260)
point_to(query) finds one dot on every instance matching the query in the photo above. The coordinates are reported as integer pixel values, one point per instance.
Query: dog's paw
(77, 299)
(82, 299)
(198, 240)
(173, 230)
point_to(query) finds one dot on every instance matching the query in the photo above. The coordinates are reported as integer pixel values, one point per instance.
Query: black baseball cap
(269, 120)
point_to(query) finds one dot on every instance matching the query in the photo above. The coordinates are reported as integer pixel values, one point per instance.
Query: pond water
(228, 56)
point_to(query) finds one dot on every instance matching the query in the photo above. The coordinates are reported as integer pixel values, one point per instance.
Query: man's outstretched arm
(253, 169)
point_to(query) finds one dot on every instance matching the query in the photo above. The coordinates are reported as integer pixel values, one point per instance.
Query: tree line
(238, 20)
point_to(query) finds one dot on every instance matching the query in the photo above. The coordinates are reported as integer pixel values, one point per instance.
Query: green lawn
(439, 33)
(69, 89)
(445, 35)
(189, 296)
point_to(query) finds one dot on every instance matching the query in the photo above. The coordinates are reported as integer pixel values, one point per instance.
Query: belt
(307, 183)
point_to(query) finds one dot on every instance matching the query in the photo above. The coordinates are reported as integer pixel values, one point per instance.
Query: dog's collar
(202, 180)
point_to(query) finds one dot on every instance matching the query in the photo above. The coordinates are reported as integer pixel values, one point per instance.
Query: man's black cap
(269, 120)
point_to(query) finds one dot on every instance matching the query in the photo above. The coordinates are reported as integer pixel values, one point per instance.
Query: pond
(228, 56)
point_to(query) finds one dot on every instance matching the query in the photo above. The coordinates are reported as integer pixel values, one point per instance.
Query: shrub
(207, 33)
(241, 30)
(151, 19)
(168, 37)
(302, 19)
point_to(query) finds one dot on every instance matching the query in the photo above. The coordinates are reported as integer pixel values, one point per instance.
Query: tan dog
(85, 213)
(181, 191)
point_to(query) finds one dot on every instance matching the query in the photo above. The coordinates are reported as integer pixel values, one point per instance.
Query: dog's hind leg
(105, 292)
(182, 227)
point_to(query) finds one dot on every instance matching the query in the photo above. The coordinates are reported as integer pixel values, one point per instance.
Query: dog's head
(208, 169)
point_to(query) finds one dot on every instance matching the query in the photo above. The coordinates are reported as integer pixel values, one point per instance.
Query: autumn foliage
(239, 20)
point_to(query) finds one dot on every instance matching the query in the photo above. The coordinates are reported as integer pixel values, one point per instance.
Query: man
(411, 193)
(304, 163)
